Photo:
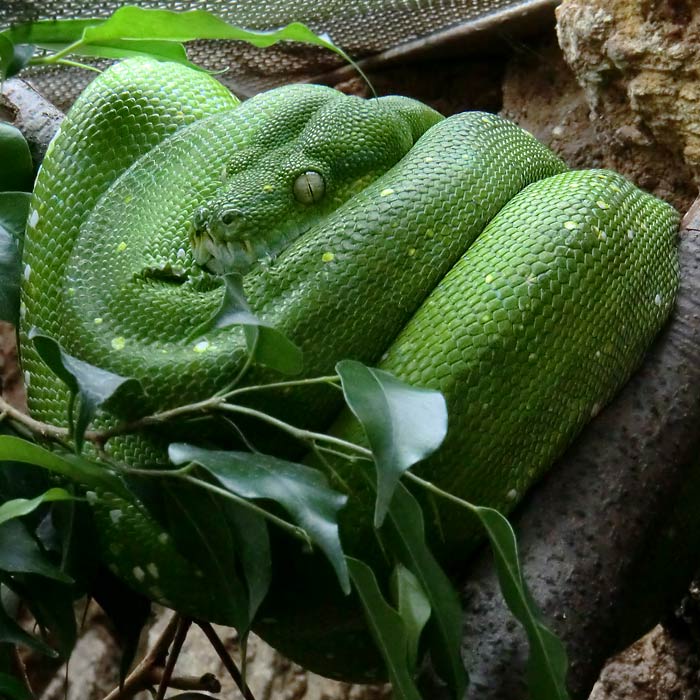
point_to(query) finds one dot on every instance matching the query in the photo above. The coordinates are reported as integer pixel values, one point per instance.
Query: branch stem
(301, 434)
(226, 659)
(50, 432)
(183, 626)
(330, 379)
(142, 677)
(432, 488)
(293, 530)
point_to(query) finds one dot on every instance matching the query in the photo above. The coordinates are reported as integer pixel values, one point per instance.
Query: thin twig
(226, 659)
(142, 677)
(50, 432)
(183, 627)
(300, 433)
(208, 682)
(331, 380)
(318, 451)
(294, 530)
(21, 670)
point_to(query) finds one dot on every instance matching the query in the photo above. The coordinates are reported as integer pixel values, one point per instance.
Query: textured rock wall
(638, 63)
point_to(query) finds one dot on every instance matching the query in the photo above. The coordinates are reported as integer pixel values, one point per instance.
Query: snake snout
(219, 240)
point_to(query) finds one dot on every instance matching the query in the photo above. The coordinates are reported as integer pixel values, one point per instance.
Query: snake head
(279, 186)
(255, 216)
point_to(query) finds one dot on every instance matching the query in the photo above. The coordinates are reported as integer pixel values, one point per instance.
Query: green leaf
(547, 665)
(252, 542)
(267, 345)
(12, 689)
(14, 207)
(13, 57)
(7, 54)
(23, 506)
(19, 553)
(93, 386)
(51, 603)
(129, 48)
(387, 628)
(404, 535)
(70, 466)
(127, 610)
(197, 522)
(138, 23)
(17, 172)
(22, 55)
(302, 491)
(404, 424)
(65, 31)
(68, 529)
(12, 633)
(413, 606)
(133, 30)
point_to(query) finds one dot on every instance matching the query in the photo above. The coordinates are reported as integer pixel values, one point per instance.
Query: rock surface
(637, 63)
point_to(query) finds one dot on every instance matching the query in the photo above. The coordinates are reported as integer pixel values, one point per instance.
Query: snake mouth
(220, 256)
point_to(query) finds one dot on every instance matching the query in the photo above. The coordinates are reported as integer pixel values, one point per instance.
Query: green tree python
(457, 253)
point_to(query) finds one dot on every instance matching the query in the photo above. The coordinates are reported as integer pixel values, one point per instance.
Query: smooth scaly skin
(528, 334)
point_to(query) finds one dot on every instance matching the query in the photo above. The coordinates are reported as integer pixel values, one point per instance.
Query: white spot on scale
(115, 515)
(33, 219)
(139, 573)
(630, 234)
(595, 410)
(27, 272)
(512, 495)
(181, 253)
(27, 377)
(658, 299)
(152, 569)
(201, 346)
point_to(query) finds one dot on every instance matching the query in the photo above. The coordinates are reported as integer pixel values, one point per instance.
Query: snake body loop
(457, 253)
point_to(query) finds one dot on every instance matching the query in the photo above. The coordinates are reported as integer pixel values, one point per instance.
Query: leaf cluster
(217, 505)
(134, 31)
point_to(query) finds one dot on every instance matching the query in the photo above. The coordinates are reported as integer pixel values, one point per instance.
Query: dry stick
(21, 670)
(208, 682)
(226, 659)
(183, 627)
(142, 676)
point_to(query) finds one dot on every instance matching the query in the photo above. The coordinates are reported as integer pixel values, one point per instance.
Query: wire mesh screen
(361, 27)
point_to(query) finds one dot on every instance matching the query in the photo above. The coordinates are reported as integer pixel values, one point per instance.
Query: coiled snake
(458, 253)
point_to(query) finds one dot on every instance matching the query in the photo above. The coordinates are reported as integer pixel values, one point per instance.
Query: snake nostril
(229, 216)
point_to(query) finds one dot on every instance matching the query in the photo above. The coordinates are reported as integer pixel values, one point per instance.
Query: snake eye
(309, 187)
